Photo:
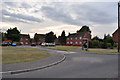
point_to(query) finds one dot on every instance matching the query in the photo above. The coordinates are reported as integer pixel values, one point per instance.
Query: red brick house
(115, 35)
(39, 38)
(76, 39)
(24, 39)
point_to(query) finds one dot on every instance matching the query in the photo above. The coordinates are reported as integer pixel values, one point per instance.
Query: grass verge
(64, 48)
(22, 54)
(103, 50)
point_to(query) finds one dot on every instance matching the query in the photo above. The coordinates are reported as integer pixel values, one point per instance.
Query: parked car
(6, 43)
(13, 44)
(43, 44)
(33, 44)
(48, 44)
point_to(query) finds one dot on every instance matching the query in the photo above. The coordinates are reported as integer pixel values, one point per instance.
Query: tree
(94, 44)
(84, 29)
(13, 34)
(97, 38)
(104, 42)
(36, 38)
(50, 37)
(62, 38)
(109, 41)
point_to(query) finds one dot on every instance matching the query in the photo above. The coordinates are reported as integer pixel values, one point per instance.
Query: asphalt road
(77, 65)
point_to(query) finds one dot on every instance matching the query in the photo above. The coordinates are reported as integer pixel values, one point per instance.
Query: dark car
(33, 44)
(6, 43)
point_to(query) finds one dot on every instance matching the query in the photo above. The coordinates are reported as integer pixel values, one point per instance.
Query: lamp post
(118, 26)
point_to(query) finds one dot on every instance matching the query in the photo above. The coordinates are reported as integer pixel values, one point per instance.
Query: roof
(25, 35)
(39, 35)
(116, 31)
(76, 35)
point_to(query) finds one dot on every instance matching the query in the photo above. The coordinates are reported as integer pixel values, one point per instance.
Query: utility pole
(118, 26)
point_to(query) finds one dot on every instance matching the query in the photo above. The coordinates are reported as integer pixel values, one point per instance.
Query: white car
(48, 44)
(43, 44)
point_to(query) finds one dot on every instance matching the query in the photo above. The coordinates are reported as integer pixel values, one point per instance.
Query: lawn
(22, 54)
(102, 50)
(64, 48)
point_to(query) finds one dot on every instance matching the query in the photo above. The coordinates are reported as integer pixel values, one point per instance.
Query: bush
(109, 45)
(94, 44)
(115, 45)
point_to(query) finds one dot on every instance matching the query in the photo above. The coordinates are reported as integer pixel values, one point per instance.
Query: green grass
(22, 54)
(64, 48)
(102, 50)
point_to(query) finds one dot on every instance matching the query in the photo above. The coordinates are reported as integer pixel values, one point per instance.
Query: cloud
(59, 15)
(80, 14)
(12, 19)
(100, 13)
(25, 5)
(100, 16)
(12, 4)
(20, 16)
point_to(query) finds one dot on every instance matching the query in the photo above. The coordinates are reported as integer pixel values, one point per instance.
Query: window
(85, 34)
(80, 37)
(76, 42)
(26, 39)
(21, 42)
(67, 38)
(26, 43)
(71, 38)
(80, 42)
(67, 42)
(76, 38)
(71, 42)
(21, 38)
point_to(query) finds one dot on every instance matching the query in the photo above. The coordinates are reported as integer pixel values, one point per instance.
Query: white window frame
(71, 42)
(26, 42)
(80, 38)
(21, 42)
(76, 42)
(80, 42)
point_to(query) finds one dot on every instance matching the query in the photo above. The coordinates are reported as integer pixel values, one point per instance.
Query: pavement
(86, 52)
(33, 65)
(77, 64)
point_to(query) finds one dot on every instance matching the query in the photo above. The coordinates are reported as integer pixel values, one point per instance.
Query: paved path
(32, 64)
(77, 65)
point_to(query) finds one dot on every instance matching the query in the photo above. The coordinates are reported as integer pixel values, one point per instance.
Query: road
(77, 65)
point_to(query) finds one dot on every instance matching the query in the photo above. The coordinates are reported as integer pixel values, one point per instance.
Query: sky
(41, 17)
